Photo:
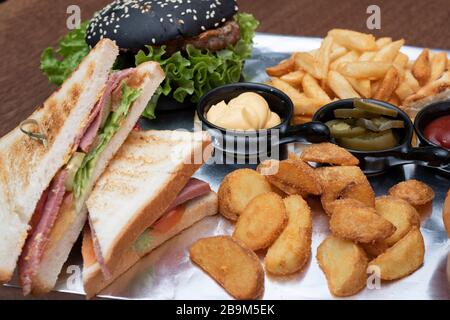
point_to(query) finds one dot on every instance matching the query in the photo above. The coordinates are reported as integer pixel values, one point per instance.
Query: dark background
(28, 26)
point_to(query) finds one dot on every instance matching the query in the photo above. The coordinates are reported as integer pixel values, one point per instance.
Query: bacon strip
(95, 119)
(36, 242)
(193, 189)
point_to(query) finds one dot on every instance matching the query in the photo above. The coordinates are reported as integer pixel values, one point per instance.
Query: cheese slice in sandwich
(144, 197)
(81, 127)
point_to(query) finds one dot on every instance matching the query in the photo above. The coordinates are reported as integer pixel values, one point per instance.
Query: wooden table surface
(28, 26)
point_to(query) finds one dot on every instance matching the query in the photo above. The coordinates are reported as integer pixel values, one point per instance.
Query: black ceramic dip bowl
(263, 143)
(373, 162)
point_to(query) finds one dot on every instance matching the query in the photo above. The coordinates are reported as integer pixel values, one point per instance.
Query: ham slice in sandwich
(145, 197)
(49, 167)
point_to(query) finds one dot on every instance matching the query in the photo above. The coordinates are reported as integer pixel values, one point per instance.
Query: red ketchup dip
(438, 131)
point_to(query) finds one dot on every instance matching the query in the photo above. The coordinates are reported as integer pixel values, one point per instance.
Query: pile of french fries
(350, 64)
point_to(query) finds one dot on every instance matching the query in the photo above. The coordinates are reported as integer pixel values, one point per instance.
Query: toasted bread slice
(93, 279)
(27, 167)
(139, 185)
(69, 224)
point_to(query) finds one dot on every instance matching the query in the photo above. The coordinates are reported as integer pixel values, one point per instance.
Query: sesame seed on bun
(133, 24)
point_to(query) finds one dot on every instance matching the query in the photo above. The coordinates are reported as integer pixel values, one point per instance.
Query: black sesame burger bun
(133, 24)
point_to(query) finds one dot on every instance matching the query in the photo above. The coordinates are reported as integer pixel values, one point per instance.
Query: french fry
(361, 85)
(341, 86)
(348, 57)
(422, 67)
(401, 63)
(374, 87)
(307, 62)
(382, 42)
(313, 90)
(394, 100)
(296, 120)
(366, 69)
(389, 52)
(337, 51)
(323, 57)
(438, 65)
(367, 56)
(282, 68)
(303, 105)
(404, 90)
(388, 85)
(294, 78)
(411, 81)
(354, 40)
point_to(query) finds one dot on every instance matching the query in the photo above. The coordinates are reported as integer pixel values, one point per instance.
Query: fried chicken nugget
(236, 268)
(446, 213)
(238, 189)
(401, 214)
(291, 251)
(344, 264)
(344, 182)
(403, 258)
(415, 192)
(327, 152)
(262, 221)
(293, 176)
(352, 220)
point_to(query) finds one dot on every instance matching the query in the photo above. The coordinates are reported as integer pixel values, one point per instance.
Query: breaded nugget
(344, 182)
(415, 192)
(403, 258)
(262, 221)
(327, 152)
(354, 221)
(291, 176)
(344, 264)
(236, 268)
(291, 251)
(401, 214)
(238, 189)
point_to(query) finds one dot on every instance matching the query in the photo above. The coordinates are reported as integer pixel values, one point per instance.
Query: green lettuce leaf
(58, 64)
(197, 72)
(187, 75)
(111, 126)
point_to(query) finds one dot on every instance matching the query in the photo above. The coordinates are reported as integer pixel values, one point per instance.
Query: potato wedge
(446, 213)
(422, 67)
(293, 176)
(352, 220)
(344, 182)
(282, 68)
(236, 268)
(403, 258)
(344, 264)
(291, 251)
(415, 192)
(238, 189)
(401, 214)
(354, 40)
(328, 153)
(262, 221)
